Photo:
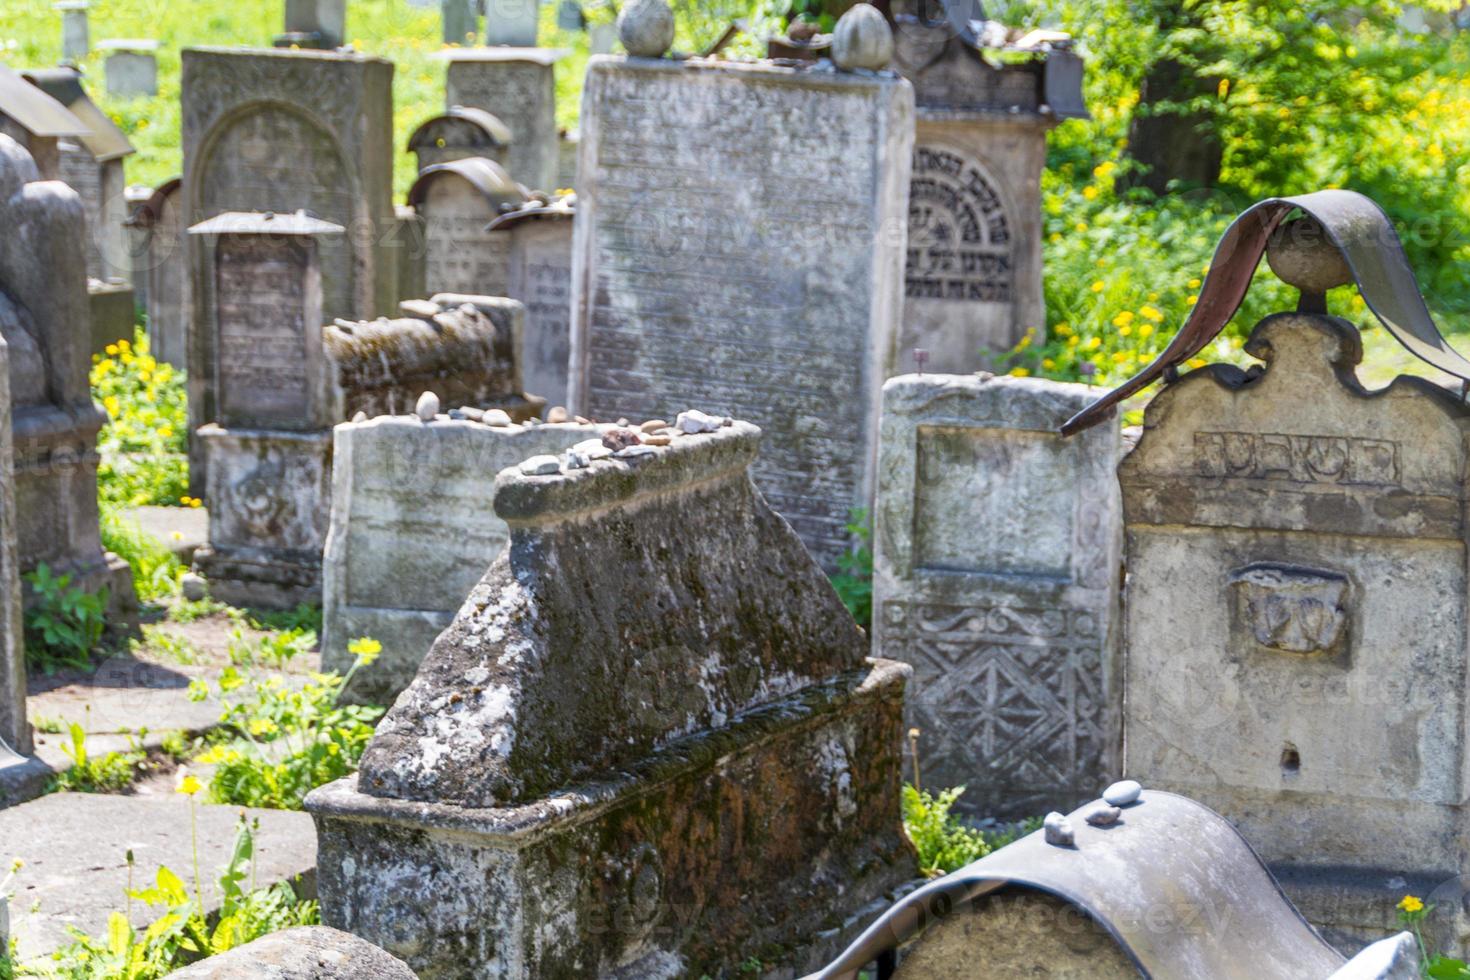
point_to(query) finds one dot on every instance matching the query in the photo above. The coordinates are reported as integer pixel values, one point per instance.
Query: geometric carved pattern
(1009, 702)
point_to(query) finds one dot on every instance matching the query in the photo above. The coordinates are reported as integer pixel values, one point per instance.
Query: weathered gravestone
(44, 320)
(997, 552)
(651, 710)
(517, 86)
(973, 276)
(93, 166)
(733, 292)
(76, 36)
(515, 23)
(460, 21)
(15, 732)
(111, 312)
(460, 132)
(37, 122)
(131, 68)
(410, 532)
(158, 260)
(300, 953)
(280, 130)
(314, 24)
(541, 277)
(457, 200)
(1297, 617)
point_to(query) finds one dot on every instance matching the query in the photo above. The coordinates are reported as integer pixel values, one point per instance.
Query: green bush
(63, 623)
(143, 446)
(854, 579)
(156, 569)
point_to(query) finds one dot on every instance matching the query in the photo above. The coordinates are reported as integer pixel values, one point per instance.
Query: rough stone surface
(53, 421)
(1301, 255)
(512, 22)
(15, 734)
(734, 294)
(646, 28)
(862, 39)
(1297, 617)
(132, 71)
(74, 846)
(1016, 933)
(304, 953)
(100, 184)
(412, 531)
(541, 278)
(628, 731)
(460, 133)
(457, 200)
(280, 130)
(996, 567)
(160, 264)
(1394, 958)
(110, 309)
(316, 23)
(517, 85)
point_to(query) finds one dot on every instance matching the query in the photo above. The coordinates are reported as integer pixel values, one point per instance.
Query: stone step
(74, 852)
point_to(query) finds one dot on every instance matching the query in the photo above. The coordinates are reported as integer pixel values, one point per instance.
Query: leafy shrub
(110, 773)
(281, 743)
(943, 842)
(854, 579)
(183, 934)
(63, 623)
(156, 569)
(276, 649)
(144, 445)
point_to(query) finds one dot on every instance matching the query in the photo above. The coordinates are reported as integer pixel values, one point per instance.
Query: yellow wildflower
(188, 784)
(1411, 903)
(1089, 192)
(1196, 362)
(1048, 363)
(1062, 329)
(1152, 313)
(1020, 372)
(1194, 284)
(1097, 287)
(1124, 330)
(262, 726)
(1093, 343)
(366, 649)
(1056, 237)
(1123, 319)
(1145, 331)
(1192, 300)
(1104, 170)
(111, 350)
(1080, 226)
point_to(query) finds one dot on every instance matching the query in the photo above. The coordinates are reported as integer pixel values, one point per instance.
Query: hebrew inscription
(262, 329)
(959, 236)
(1298, 458)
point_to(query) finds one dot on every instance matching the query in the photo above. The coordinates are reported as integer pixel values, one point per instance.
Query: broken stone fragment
(541, 466)
(193, 586)
(497, 416)
(1103, 815)
(592, 449)
(657, 439)
(427, 406)
(556, 414)
(1122, 793)
(619, 439)
(1058, 831)
(652, 425)
(694, 421)
(576, 461)
(635, 452)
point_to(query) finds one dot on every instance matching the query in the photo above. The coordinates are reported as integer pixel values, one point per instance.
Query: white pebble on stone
(360, 417)
(592, 449)
(1057, 830)
(1122, 793)
(576, 461)
(541, 466)
(497, 416)
(694, 421)
(427, 407)
(1103, 815)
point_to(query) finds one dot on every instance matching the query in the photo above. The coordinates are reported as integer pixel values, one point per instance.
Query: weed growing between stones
(278, 744)
(156, 570)
(110, 773)
(854, 580)
(275, 649)
(63, 623)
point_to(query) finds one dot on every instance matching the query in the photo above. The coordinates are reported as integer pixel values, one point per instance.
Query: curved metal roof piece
(491, 124)
(1166, 855)
(485, 175)
(34, 110)
(147, 213)
(1366, 238)
(563, 208)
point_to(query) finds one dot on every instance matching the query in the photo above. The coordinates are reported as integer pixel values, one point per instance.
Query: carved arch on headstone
(961, 244)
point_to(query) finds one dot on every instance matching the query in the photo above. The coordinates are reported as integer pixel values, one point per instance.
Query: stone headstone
(515, 23)
(411, 533)
(569, 16)
(112, 313)
(541, 278)
(460, 21)
(461, 132)
(76, 38)
(1298, 619)
(616, 687)
(158, 261)
(282, 130)
(15, 732)
(314, 24)
(44, 320)
(411, 242)
(997, 553)
(131, 68)
(734, 293)
(517, 86)
(568, 146)
(457, 200)
(973, 275)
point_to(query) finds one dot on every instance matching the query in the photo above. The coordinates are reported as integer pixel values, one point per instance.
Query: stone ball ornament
(1301, 255)
(862, 40)
(646, 28)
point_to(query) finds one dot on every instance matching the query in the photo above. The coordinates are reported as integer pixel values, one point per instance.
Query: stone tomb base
(269, 497)
(751, 832)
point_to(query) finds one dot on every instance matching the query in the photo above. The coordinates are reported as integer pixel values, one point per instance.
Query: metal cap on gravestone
(513, 23)
(314, 24)
(462, 131)
(76, 40)
(131, 67)
(268, 297)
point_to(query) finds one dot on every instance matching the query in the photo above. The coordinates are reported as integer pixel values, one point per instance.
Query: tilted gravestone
(281, 130)
(654, 654)
(517, 86)
(1297, 617)
(973, 276)
(411, 534)
(997, 552)
(159, 261)
(541, 278)
(460, 132)
(45, 320)
(457, 200)
(733, 292)
(131, 67)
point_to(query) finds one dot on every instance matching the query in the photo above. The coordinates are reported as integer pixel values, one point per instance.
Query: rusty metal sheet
(1167, 858)
(1367, 240)
(103, 139)
(35, 111)
(485, 175)
(490, 124)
